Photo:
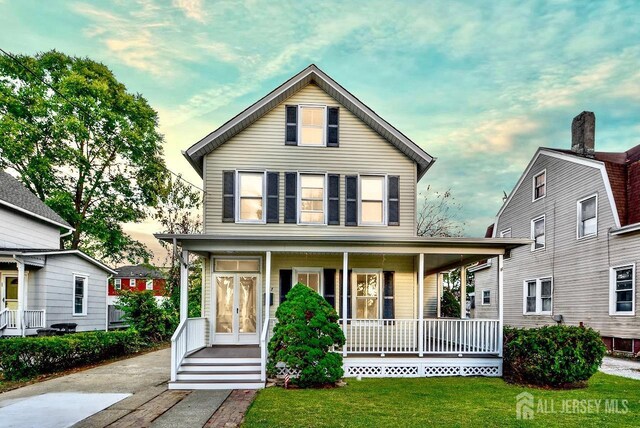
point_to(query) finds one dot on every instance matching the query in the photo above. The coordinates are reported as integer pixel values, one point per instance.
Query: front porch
(392, 330)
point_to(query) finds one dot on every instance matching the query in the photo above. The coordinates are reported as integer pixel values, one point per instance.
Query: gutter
(635, 227)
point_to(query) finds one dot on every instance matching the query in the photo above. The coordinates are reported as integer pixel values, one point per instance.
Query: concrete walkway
(621, 367)
(127, 393)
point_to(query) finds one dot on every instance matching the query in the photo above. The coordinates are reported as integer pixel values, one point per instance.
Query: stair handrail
(177, 355)
(4, 315)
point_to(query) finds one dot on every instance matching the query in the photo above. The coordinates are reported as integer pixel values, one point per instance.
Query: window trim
(538, 295)
(307, 270)
(236, 258)
(612, 290)
(325, 203)
(85, 296)
(533, 193)
(132, 283)
(324, 125)
(117, 283)
(146, 284)
(533, 244)
(238, 198)
(482, 303)
(385, 190)
(579, 217)
(354, 294)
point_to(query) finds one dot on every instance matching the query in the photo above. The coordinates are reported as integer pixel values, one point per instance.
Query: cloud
(192, 9)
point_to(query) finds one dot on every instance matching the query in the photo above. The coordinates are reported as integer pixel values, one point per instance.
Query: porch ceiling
(441, 254)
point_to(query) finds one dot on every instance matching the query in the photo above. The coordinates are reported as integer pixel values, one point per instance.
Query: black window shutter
(228, 196)
(393, 201)
(285, 283)
(334, 199)
(330, 286)
(388, 307)
(351, 205)
(273, 211)
(349, 308)
(332, 126)
(290, 197)
(291, 137)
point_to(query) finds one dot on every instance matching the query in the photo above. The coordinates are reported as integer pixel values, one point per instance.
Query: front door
(235, 305)
(9, 293)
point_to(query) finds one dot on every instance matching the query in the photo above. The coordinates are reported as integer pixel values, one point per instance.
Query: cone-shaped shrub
(307, 328)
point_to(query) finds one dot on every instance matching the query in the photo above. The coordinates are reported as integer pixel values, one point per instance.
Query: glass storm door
(9, 293)
(236, 308)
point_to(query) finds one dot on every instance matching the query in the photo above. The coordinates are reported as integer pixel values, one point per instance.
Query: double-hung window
(486, 297)
(251, 197)
(373, 189)
(540, 185)
(312, 125)
(588, 217)
(312, 199)
(538, 233)
(149, 284)
(367, 295)
(117, 283)
(80, 285)
(538, 296)
(622, 290)
(311, 277)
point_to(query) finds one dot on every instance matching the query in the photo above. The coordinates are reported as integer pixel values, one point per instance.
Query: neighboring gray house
(41, 284)
(582, 209)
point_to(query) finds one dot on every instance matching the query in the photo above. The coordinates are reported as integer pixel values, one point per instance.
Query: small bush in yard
(26, 357)
(307, 328)
(556, 356)
(143, 313)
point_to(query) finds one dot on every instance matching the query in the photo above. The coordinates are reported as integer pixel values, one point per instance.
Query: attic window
(312, 125)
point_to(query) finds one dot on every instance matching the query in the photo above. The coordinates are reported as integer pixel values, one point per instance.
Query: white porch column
(439, 294)
(267, 284)
(184, 285)
(420, 304)
(500, 303)
(345, 302)
(463, 292)
(21, 296)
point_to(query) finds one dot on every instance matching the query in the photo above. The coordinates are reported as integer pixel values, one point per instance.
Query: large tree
(438, 214)
(90, 149)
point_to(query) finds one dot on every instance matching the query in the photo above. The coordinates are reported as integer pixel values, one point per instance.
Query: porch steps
(220, 368)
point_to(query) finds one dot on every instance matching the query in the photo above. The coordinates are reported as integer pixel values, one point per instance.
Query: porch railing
(35, 318)
(4, 315)
(189, 336)
(440, 336)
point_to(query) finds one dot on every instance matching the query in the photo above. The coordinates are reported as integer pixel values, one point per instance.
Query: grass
(452, 401)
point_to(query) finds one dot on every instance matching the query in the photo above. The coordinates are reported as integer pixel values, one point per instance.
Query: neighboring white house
(310, 185)
(41, 284)
(582, 209)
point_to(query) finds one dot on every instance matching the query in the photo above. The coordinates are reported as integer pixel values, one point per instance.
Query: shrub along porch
(388, 302)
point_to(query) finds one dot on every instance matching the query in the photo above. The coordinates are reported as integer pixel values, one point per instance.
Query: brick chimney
(583, 134)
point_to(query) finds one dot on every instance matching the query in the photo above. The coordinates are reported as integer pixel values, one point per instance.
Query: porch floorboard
(228, 351)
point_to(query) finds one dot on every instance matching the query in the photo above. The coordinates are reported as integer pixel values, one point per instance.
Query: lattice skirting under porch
(467, 367)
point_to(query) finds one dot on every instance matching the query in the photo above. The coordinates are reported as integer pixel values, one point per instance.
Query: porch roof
(443, 253)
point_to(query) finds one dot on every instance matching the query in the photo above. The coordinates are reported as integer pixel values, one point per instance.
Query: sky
(478, 85)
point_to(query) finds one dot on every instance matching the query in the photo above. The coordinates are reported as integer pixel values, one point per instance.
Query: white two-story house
(40, 284)
(310, 185)
(581, 208)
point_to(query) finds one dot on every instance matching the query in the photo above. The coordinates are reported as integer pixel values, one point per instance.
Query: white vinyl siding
(623, 290)
(261, 147)
(19, 230)
(588, 217)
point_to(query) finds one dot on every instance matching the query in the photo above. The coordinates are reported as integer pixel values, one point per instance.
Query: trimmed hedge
(307, 328)
(27, 357)
(556, 356)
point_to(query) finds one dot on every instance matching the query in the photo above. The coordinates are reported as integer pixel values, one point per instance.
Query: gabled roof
(137, 271)
(38, 252)
(623, 169)
(311, 74)
(15, 195)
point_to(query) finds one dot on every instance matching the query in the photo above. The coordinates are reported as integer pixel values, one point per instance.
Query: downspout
(64, 235)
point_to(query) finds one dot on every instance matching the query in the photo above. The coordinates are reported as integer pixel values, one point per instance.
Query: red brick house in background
(136, 278)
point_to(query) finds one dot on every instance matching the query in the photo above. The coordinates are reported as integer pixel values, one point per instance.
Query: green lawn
(453, 401)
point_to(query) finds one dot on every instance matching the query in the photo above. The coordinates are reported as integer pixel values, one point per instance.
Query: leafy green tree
(153, 321)
(450, 305)
(93, 154)
(306, 330)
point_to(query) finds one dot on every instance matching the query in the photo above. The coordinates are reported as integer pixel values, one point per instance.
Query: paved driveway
(621, 367)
